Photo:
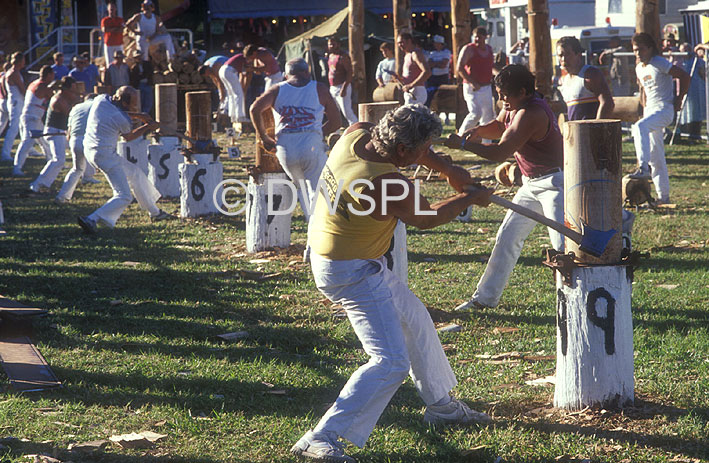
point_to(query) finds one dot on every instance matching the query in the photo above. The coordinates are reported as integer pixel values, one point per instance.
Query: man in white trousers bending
(657, 91)
(527, 129)
(339, 75)
(107, 121)
(298, 105)
(475, 68)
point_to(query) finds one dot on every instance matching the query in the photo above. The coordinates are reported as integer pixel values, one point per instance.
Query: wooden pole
(647, 18)
(356, 42)
(266, 161)
(540, 62)
(373, 112)
(592, 181)
(402, 23)
(198, 112)
(166, 107)
(460, 17)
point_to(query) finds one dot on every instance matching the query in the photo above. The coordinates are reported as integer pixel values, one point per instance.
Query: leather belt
(544, 174)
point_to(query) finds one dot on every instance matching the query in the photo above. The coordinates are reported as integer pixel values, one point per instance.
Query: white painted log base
(136, 152)
(397, 256)
(164, 159)
(264, 230)
(594, 345)
(197, 184)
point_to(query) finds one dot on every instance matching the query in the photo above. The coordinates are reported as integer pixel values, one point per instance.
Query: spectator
(386, 67)
(619, 71)
(112, 28)
(415, 70)
(150, 31)
(80, 73)
(694, 111)
(93, 71)
(340, 77)
(117, 74)
(519, 52)
(58, 67)
(475, 67)
(438, 60)
(141, 78)
(261, 60)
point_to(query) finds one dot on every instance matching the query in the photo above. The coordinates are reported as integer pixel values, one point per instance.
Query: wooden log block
(263, 229)
(176, 65)
(187, 67)
(594, 347)
(592, 184)
(266, 161)
(158, 78)
(169, 77)
(445, 100)
(198, 108)
(374, 112)
(195, 78)
(136, 105)
(135, 152)
(166, 108)
(198, 182)
(164, 160)
(183, 78)
(627, 108)
(390, 92)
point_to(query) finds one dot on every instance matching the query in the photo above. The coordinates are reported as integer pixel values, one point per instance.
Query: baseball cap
(438, 39)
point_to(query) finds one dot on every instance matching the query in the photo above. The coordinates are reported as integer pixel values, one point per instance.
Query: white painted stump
(136, 152)
(163, 166)
(594, 347)
(197, 184)
(264, 229)
(397, 257)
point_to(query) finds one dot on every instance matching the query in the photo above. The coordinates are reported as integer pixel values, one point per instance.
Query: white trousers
(648, 137)
(273, 79)
(302, 156)
(55, 163)
(416, 95)
(66, 192)
(28, 124)
(14, 113)
(396, 332)
(108, 51)
(344, 102)
(480, 107)
(544, 195)
(235, 94)
(126, 180)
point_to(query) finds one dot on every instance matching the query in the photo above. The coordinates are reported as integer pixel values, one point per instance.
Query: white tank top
(298, 109)
(147, 25)
(34, 106)
(580, 101)
(13, 92)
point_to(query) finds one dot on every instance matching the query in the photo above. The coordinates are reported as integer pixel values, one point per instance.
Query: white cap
(438, 39)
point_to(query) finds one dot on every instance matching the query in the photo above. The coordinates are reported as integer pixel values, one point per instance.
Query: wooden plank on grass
(16, 309)
(25, 367)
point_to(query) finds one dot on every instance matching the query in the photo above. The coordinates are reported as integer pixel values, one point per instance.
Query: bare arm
(493, 130)
(132, 22)
(332, 112)
(684, 80)
(457, 176)
(262, 103)
(460, 66)
(140, 131)
(596, 84)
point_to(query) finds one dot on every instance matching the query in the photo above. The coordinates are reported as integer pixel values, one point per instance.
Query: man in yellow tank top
(356, 212)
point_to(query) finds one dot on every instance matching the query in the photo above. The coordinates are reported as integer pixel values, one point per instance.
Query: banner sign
(43, 21)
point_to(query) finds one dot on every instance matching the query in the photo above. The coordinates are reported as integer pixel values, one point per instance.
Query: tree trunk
(356, 42)
(460, 17)
(540, 45)
(592, 184)
(647, 18)
(402, 23)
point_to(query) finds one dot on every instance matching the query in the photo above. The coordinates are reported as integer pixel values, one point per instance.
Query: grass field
(135, 312)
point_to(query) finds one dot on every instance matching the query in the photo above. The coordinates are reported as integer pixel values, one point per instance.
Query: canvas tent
(312, 44)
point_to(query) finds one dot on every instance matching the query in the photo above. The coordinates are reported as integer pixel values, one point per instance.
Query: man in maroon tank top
(475, 68)
(527, 130)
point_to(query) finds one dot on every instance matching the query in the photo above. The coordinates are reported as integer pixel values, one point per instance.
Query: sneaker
(61, 201)
(90, 180)
(321, 447)
(471, 305)
(162, 216)
(641, 173)
(306, 254)
(454, 412)
(89, 226)
(34, 188)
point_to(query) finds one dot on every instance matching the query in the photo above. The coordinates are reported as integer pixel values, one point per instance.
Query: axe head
(595, 241)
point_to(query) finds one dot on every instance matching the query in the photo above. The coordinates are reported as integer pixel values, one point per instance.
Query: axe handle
(537, 217)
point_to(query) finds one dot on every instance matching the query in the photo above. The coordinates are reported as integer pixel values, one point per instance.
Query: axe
(589, 240)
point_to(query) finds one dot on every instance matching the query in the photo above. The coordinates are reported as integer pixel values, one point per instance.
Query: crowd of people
(347, 251)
